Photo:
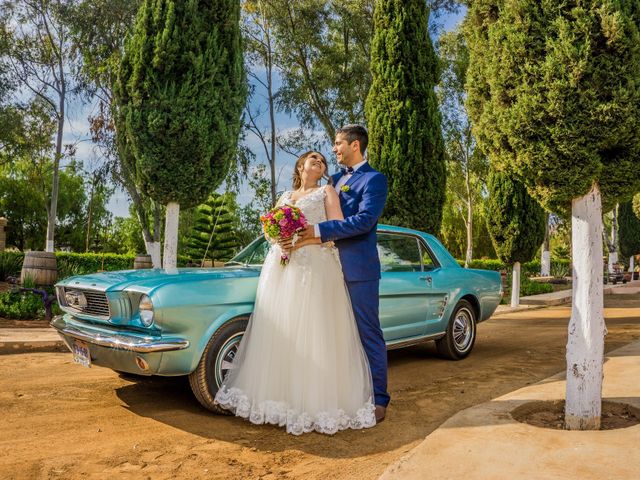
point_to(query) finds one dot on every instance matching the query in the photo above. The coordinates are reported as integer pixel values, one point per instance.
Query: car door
(439, 282)
(404, 288)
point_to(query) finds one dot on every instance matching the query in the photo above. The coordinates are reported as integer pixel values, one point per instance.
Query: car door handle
(426, 279)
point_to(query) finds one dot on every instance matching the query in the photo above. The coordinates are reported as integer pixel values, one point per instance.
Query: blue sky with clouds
(77, 132)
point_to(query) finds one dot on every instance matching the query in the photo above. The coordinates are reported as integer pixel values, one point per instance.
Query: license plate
(81, 353)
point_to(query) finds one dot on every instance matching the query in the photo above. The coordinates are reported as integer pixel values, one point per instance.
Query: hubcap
(463, 329)
(225, 357)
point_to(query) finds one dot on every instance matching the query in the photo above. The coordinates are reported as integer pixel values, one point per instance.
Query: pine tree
(181, 93)
(554, 96)
(213, 235)
(405, 138)
(516, 224)
(628, 232)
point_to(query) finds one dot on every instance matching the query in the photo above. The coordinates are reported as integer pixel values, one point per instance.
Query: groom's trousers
(365, 299)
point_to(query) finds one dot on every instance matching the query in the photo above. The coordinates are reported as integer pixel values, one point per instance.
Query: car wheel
(461, 333)
(216, 359)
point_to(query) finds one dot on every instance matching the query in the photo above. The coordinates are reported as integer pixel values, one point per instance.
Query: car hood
(149, 279)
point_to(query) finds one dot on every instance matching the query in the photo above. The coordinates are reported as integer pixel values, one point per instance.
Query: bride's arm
(332, 204)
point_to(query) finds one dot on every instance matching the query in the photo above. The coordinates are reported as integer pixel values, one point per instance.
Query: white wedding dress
(300, 363)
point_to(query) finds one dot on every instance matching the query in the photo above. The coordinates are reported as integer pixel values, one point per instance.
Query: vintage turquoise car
(190, 321)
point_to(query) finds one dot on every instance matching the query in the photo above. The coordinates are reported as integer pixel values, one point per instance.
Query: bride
(300, 363)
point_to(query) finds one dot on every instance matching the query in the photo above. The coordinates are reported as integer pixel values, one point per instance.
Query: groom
(363, 192)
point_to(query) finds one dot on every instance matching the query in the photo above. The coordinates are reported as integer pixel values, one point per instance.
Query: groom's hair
(354, 132)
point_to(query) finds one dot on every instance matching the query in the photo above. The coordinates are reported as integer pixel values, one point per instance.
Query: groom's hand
(305, 234)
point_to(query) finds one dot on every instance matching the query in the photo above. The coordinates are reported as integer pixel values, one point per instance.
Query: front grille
(97, 303)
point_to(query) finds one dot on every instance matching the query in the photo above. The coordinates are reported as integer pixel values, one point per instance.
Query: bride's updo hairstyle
(297, 179)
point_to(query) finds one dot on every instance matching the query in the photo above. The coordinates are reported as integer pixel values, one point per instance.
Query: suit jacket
(355, 236)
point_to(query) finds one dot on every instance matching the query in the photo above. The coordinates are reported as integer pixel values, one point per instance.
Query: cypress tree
(405, 139)
(516, 224)
(181, 93)
(554, 96)
(636, 204)
(628, 232)
(214, 229)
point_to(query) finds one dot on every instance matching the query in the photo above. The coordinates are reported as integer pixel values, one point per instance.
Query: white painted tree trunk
(545, 263)
(613, 258)
(585, 346)
(613, 250)
(545, 258)
(153, 249)
(632, 264)
(515, 285)
(170, 258)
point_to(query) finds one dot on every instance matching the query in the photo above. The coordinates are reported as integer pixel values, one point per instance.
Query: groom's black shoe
(380, 413)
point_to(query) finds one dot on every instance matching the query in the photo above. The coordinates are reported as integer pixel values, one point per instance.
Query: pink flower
(283, 222)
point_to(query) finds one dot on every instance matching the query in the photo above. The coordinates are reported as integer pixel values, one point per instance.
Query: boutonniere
(345, 188)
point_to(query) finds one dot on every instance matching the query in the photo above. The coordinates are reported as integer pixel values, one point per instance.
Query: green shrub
(487, 264)
(20, 306)
(82, 263)
(527, 287)
(10, 264)
(559, 267)
(70, 264)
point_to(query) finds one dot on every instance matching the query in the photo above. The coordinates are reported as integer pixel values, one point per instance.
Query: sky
(77, 132)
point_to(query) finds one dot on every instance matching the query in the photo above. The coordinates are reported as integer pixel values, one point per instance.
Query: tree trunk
(585, 346)
(272, 118)
(631, 264)
(613, 245)
(545, 260)
(157, 214)
(469, 254)
(170, 257)
(53, 208)
(515, 285)
(153, 249)
(89, 215)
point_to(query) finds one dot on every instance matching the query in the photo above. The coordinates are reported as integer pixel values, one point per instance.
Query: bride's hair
(297, 179)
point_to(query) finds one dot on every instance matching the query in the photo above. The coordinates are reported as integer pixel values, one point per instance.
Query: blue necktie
(347, 170)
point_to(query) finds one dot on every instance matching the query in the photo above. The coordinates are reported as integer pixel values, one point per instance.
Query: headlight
(146, 310)
(75, 299)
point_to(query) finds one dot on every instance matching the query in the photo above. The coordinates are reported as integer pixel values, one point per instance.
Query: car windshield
(252, 254)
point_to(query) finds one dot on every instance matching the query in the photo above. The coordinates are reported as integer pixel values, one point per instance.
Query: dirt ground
(550, 414)
(60, 420)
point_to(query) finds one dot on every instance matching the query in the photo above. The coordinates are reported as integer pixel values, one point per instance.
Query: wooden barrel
(40, 267)
(142, 261)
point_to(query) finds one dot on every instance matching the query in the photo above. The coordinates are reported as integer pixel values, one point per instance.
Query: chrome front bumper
(119, 341)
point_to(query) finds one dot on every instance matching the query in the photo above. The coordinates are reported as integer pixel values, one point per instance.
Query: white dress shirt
(341, 181)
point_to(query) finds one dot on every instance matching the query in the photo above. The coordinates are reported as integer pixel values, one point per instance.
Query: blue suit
(355, 237)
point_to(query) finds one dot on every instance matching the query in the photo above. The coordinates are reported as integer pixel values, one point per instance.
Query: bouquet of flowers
(283, 222)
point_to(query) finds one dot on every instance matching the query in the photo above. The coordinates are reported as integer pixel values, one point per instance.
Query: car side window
(399, 253)
(428, 261)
